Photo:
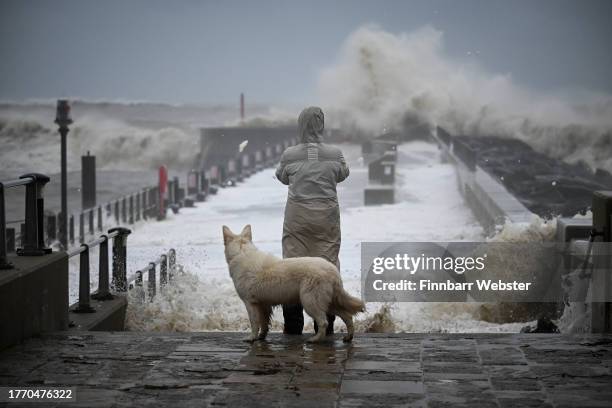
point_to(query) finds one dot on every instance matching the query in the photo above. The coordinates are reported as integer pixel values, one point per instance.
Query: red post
(163, 191)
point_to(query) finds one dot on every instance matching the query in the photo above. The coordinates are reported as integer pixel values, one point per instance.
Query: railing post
(171, 264)
(84, 306)
(100, 227)
(103, 284)
(71, 228)
(138, 283)
(91, 221)
(51, 228)
(119, 258)
(145, 207)
(81, 228)
(137, 206)
(10, 240)
(117, 219)
(151, 284)
(33, 244)
(4, 263)
(131, 218)
(123, 211)
(163, 271)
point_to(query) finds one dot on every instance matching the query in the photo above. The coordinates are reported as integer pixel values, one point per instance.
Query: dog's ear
(227, 234)
(246, 232)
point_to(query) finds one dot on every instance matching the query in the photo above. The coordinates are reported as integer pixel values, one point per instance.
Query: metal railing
(119, 276)
(119, 282)
(167, 270)
(32, 240)
(125, 210)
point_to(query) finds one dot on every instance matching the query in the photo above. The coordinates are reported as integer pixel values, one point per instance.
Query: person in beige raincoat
(311, 169)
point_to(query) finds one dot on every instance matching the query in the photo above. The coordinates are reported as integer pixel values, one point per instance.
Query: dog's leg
(254, 319)
(314, 310)
(350, 329)
(264, 312)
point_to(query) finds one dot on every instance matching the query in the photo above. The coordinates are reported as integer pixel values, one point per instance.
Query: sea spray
(383, 81)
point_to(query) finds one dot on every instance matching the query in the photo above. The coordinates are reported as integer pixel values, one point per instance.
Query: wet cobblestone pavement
(403, 370)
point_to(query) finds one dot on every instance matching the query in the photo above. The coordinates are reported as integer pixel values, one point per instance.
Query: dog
(263, 281)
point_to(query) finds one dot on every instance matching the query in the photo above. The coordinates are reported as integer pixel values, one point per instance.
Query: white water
(430, 209)
(383, 81)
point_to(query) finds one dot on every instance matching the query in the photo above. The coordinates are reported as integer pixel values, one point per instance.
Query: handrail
(119, 237)
(120, 281)
(17, 182)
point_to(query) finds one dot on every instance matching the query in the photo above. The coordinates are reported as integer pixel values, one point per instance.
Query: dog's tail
(347, 303)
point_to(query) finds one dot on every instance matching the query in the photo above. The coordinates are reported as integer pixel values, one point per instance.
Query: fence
(119, 282)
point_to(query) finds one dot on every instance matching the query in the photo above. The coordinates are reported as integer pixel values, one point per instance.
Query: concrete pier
(377, 370)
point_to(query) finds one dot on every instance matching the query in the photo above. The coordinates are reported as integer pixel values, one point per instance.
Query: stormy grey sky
(210, 51)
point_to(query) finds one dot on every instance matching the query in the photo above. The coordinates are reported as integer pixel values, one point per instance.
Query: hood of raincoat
(310, 125)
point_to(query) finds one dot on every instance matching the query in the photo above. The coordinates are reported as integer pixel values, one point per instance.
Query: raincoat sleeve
(343, 172)
(281, 171)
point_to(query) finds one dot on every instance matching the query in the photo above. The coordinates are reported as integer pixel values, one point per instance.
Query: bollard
(163, 271)
(71, 229)
(103, 292)
(81, 228)
(100, 226)
(131, 219)
(10, 240)
(151, 284)
(84, 306)
(119, 281)
(171, 264)
(91, 221)
(33, 242)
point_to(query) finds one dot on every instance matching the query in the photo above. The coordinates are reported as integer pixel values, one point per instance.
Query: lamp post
(62, 119)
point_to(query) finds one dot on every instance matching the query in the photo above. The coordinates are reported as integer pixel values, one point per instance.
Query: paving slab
(377, 370)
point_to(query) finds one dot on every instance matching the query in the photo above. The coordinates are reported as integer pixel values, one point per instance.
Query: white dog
(263, 281)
